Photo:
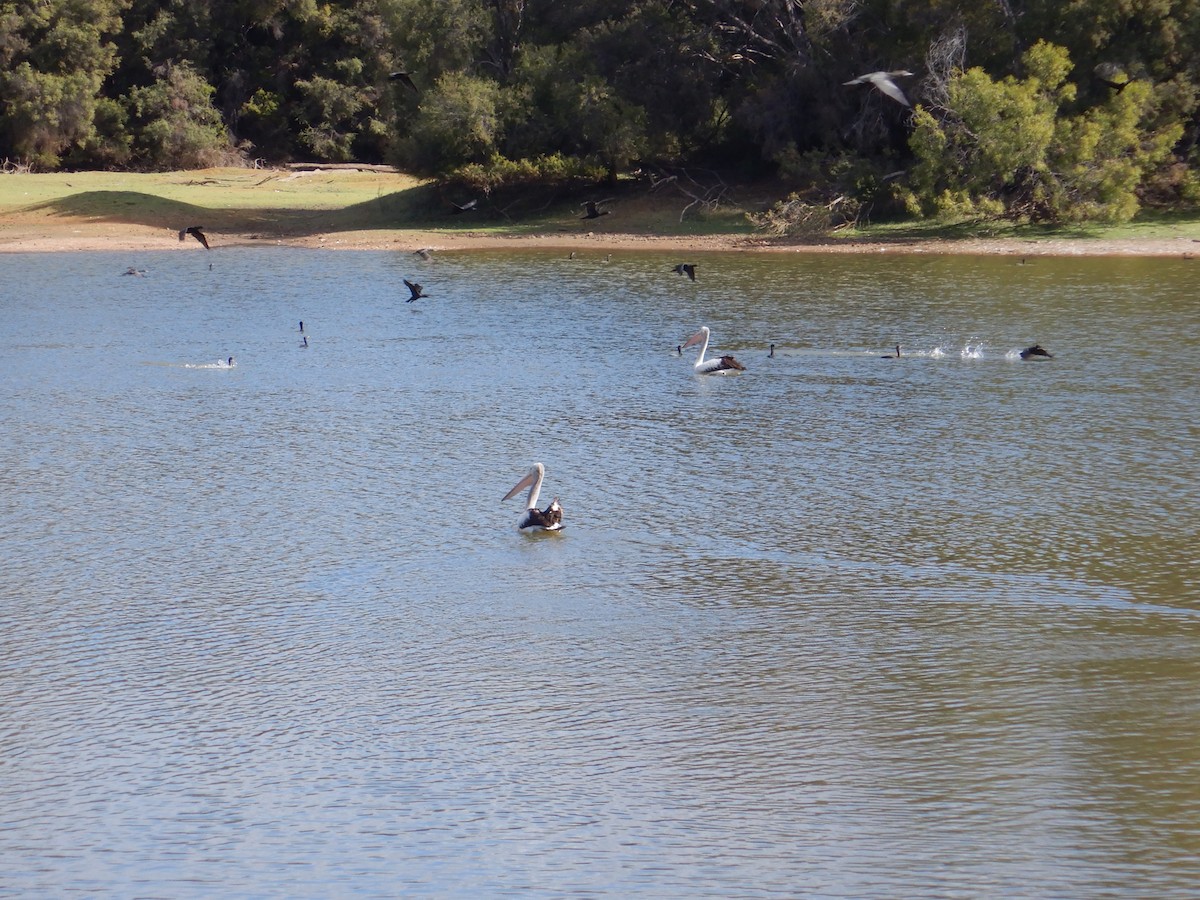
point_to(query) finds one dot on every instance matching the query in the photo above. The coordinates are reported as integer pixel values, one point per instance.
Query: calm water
(838, 627)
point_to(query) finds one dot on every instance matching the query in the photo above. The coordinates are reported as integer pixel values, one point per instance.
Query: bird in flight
(424, 253)
(415, 290)
(686, 269)
(469, 206)
(405, 79)
(196, 231)
(882, 81)
(1037, 351)
(592, 211)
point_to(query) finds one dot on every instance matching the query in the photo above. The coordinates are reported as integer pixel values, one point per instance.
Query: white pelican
(882, 81)
(723, 365)
(534, 519)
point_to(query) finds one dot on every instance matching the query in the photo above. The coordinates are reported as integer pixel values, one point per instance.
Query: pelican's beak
(519, 486)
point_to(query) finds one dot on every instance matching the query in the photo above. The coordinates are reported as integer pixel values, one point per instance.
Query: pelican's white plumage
(721, 365)
(534, 519)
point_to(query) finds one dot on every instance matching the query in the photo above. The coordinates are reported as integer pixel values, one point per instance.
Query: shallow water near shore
(840, 626)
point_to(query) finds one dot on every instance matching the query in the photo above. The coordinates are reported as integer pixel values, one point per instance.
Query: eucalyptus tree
(54, 57)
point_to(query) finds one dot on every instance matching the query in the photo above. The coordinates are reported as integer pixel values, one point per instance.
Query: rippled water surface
(837, 627)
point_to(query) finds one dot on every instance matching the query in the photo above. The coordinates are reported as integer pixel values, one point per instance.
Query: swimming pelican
(882, 81)
(534, 519)
(196, 231)
(895, 355)
(1037, 351)
(720, 366)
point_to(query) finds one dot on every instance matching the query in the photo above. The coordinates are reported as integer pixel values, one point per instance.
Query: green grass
(290, 203)
(296, 203)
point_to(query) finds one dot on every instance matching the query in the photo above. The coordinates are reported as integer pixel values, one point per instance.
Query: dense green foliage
(1048, 110)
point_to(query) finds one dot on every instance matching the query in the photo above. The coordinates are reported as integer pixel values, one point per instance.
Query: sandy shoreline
(82, 235)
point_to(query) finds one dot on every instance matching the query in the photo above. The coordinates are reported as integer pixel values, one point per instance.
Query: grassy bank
(295, 203)
(300, 204)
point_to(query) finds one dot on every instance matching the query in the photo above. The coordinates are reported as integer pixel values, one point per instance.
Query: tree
(1009, 148)
(458, 122)
(175, 123)
(54, 57)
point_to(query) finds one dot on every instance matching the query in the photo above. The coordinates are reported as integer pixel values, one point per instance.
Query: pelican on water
(723, 365)
(534, 519)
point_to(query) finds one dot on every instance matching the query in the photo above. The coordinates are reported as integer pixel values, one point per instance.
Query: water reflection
(839, 626)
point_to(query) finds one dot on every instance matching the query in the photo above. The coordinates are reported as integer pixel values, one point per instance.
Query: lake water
(838, 627)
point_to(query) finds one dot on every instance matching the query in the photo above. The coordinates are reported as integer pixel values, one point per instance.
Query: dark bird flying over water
(196, 231)
(686, 269)
(415, 289)
(1037, 351)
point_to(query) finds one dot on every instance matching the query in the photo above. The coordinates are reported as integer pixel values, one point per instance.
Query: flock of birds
(550, 519)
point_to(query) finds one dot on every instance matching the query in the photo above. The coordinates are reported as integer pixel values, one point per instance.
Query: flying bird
(1037, 351)
(405, 79)
(592, 211)
(685, 269)
(882, 81)
(423, 253)
(415, 289)
(196, 231)
(534, 519)
(469, 206)
(723, 365)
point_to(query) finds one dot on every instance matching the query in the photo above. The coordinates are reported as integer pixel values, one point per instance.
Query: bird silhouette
(1037, 351)
(469, 206)
(196, 231)
(415, 290)
(771, 355)
(686, 269)
(895, 355)
(592, 211)
(405, 79)
(882, 81)
(423, 253)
